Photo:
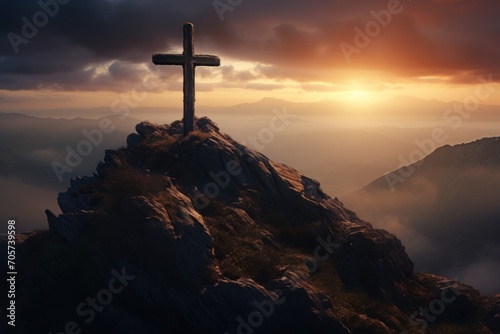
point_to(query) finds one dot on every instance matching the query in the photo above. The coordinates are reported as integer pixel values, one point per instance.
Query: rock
(371, 259)
(281, 306)
(304, 308)
(494, 323)
(181, 234)
(133, 140)
(101, 169)
(67, 226)
(74, 200)
(224, 266)
(269, 239)
(206, 125)
(111, 158)
(145, 128)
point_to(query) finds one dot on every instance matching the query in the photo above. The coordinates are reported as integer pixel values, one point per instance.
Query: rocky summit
(201, 234)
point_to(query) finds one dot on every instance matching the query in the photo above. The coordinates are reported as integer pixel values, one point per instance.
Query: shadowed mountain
(445, 209)
(201, 234)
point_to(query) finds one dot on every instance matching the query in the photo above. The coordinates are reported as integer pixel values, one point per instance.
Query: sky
(85, 54)
(82, 54)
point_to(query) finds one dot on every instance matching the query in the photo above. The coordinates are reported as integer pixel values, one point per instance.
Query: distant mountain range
(400, 111)
(445, 208)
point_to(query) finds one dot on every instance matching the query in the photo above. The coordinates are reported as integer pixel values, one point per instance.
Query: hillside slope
(203, 235)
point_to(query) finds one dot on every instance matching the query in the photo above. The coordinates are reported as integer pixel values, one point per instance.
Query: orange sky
(90, 55)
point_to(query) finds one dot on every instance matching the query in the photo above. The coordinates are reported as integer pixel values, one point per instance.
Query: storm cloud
(106, 44)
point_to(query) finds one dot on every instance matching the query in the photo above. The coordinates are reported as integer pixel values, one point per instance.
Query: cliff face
(204, 235)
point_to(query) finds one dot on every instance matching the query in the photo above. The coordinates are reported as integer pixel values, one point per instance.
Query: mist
(449, 224)
(26, 204)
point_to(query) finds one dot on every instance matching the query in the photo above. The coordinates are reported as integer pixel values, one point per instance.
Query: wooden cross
(189, 61)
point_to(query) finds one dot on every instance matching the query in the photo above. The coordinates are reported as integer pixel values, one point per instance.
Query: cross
(189, 61)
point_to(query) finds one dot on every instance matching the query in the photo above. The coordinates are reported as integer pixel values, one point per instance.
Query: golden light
(358, 96)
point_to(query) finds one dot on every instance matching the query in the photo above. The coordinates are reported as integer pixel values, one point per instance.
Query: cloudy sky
(75, 53)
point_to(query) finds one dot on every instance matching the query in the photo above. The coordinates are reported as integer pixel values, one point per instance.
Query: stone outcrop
(220, 239)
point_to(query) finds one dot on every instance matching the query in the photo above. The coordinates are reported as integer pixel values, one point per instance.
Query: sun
(358, 96)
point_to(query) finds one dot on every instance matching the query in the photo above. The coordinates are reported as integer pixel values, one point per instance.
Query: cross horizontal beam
(198, 60)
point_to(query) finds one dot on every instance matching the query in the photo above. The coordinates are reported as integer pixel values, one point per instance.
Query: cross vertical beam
(189, 60)
(189, 95)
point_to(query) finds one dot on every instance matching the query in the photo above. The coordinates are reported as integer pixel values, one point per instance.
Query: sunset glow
(285, 54)
(239, 166)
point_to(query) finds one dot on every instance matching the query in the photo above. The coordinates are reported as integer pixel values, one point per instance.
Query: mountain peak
(444, 163)
(214, 235)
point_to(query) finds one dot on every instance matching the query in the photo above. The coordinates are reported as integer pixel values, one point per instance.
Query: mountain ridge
(447, 205)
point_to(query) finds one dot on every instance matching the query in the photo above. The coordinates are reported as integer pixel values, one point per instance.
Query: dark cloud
(291, 39)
